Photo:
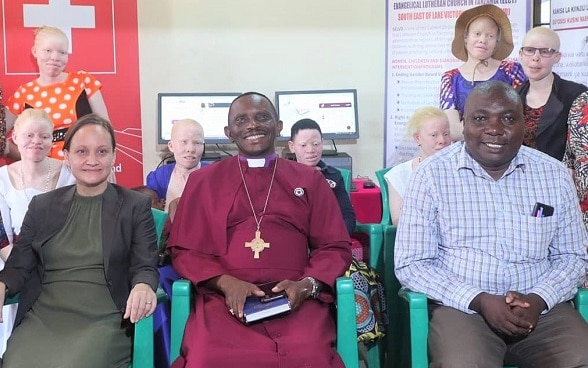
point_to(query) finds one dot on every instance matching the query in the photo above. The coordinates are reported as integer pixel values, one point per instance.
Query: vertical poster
(104, 42)
(418, 50)
(569, 18)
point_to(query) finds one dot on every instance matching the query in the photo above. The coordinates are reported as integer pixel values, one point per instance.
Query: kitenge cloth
(370, 302)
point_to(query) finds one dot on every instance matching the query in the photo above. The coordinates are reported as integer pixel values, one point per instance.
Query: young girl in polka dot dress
(65, 96)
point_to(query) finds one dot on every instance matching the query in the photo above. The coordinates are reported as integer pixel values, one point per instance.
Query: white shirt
(14, 203)
(398, 176)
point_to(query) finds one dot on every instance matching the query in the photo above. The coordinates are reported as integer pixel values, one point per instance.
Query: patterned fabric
(358, 250)
(462, 232)
(455, 88)
(64, 102)
(531, 121)
(576, 157)
(370, 303)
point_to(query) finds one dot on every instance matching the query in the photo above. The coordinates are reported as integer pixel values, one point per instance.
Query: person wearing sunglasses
(546, 96)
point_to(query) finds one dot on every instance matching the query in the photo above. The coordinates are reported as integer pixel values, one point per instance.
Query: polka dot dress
(59, 100)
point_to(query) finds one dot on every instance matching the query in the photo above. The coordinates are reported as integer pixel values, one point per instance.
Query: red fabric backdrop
(108, 49)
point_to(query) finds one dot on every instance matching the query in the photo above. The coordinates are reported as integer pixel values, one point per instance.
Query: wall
(264, 46)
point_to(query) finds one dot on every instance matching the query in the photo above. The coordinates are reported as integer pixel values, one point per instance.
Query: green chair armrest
(376, 238)
(415, 300)
(346, 322)
(581, 302)
(418, 314)
(159, 218)
(143, 345)
(180, 310)
(384, 191)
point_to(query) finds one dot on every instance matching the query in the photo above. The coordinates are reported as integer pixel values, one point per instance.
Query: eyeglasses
(543, 51)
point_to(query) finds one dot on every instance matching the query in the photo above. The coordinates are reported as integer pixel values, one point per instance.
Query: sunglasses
(543, 51)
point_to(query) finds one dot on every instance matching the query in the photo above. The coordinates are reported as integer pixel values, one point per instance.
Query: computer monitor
(211, 110)
(334, 110)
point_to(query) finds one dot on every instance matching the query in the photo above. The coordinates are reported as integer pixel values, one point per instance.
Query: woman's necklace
(257, 244)
(481, 62)
(47, 180)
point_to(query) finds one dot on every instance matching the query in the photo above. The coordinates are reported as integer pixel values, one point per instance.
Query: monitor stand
(211, 156)
(330, 153)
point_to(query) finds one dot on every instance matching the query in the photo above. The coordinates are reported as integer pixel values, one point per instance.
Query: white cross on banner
(62, 14)
(90, 29)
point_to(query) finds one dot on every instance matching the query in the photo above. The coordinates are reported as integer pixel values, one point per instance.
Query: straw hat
(504, 47)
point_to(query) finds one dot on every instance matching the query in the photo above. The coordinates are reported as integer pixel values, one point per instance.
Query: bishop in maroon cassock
(307, 237)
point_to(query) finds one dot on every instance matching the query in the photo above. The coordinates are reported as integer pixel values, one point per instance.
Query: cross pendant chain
(257, 244)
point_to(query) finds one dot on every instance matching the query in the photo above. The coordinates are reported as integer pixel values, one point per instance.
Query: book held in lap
(272, 304)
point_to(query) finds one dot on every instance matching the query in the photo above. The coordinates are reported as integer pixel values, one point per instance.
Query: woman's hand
(141, 302)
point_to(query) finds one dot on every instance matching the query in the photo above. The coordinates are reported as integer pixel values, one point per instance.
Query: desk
(367, 202)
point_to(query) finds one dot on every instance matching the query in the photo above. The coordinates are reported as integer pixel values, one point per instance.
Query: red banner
(104, 42)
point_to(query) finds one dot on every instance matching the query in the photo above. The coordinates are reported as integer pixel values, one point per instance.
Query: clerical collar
(259, 162)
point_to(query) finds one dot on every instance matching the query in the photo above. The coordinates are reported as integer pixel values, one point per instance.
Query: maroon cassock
(307, 237)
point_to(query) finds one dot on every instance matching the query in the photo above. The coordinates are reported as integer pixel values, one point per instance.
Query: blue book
(257, 308)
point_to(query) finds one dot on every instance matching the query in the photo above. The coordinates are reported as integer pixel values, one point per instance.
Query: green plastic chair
(375, 355)
(394, 349)
(418, 320)
(346, 174)
(143, 345)
(386, 216)
(376, 235)
(159, 217)
(346, 325)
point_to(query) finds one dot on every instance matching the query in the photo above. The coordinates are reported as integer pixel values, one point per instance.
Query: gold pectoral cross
(257, 244)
